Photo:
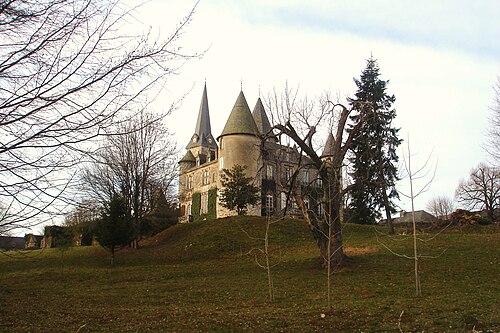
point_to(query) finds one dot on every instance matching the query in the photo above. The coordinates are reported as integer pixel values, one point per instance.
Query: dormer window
(195, 138)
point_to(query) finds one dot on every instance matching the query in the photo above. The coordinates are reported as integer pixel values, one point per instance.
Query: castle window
(306, 177)
(189, 184)
(320, 210)
(221, 163)
(306, 202)
(204, 203)
(288, 173)
(269, 204)
(283, 200)
(270, 172)
(319, 183)
(189, 212)
(206, 179)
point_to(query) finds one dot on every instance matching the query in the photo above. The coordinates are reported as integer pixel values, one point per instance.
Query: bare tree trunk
(411, 175)
(387, 207)
(268, 263)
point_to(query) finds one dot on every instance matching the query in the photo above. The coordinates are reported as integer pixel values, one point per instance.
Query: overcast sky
(441, 58)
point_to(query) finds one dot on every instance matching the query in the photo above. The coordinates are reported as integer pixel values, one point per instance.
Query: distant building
(33, 241)
(422, 219)
(242, 142)
(8, 243)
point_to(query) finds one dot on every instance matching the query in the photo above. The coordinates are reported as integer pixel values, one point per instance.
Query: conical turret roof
(260, 117)
(328, 150)
(240, 120)
(203, 133)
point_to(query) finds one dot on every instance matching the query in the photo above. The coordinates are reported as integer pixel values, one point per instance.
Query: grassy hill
(202, 277)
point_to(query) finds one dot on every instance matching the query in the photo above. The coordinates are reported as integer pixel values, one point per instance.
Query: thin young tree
(263, 254)
(421, 173)
(69, 71)
(374, 158)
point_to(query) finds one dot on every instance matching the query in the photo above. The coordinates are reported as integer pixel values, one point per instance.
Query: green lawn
(199, 277)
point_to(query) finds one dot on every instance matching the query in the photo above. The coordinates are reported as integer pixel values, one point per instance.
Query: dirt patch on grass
(360, 250)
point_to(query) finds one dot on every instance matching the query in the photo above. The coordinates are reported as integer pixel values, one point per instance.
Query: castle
(242, 141)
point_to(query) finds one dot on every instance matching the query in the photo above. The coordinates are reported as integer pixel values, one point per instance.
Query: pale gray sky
(441, 57)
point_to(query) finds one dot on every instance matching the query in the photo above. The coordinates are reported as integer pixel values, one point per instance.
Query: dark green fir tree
(115, 229)
(374, 158)
(238, 190)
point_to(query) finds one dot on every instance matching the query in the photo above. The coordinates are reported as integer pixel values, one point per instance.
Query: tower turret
(260, 117)
(202, 144)
(328, 150)
(239, 143)
(187, 162)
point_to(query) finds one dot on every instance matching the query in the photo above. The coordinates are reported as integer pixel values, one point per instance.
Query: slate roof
(260, 117)
(328, 150)
(203, 132)
(11, 243)
(240, 120)
(188, 157)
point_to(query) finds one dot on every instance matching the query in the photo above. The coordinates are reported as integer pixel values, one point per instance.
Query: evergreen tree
(238, 191)
(115, 229)
(374, 156)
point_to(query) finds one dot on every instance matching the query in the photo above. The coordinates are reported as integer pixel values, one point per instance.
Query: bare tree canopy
(299, 120)
(441, 207)
(68, 71)
(492, 145)
(481, 190)
(136, 164)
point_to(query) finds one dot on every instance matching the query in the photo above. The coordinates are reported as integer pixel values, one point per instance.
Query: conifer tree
(238, 191)
(115, 229)
(374, 156)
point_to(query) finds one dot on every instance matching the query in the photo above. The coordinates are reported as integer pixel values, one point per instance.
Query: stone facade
(242, 142)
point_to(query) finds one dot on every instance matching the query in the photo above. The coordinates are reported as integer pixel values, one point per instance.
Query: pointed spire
(203, 133)
(260, 117)
(240, 120)
(328, 150)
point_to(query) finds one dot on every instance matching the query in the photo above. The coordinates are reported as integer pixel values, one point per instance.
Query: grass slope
(200, 277)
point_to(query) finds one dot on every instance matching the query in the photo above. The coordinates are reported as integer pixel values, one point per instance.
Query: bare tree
(481, 190)
(492, 146)
(421, 173)
(67, 73)
(263, 255)
(136, 164)
(441, 207)
(298, 121)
